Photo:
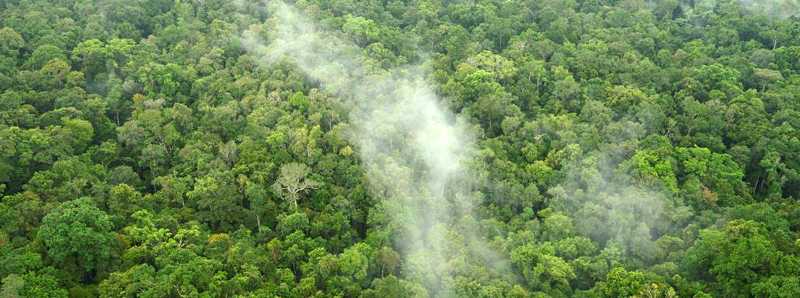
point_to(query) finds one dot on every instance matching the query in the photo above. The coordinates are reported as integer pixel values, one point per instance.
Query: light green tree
(292, 181)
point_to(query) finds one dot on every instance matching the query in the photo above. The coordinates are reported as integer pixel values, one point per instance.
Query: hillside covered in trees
(632, 148)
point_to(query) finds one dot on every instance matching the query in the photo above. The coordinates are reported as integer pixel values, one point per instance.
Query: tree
(738, 258)
(123, 200)
(91, 55)
(719, 176)
(12, 284)
(621, 283)
(542, 270)
(32, 284)
(78, 235)
(135, 280)
(392, 286)
(388, 260)
(767, 76)
(55, 73)
(44, 54)
(261, 202)
(10, 42)
(293, 181)
(217, 200)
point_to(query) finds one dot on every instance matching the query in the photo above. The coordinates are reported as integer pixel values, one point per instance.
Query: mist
(774, 8)
(780, 9)
(610, 207)
(415, 152)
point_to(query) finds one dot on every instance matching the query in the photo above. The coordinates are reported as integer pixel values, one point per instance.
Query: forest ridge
(592, 148)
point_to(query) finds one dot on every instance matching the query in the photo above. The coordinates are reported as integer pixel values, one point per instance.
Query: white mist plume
(414, 151)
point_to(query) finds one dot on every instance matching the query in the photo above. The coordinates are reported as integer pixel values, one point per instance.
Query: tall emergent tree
(292, 181)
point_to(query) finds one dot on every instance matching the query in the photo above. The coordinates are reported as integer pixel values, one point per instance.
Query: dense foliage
(629, 148)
